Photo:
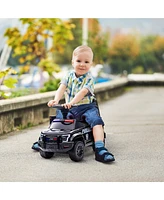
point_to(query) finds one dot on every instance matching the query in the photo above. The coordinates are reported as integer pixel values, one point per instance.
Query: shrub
(50, 85)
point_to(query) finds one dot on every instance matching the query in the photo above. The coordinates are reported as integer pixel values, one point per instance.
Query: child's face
(82, 62)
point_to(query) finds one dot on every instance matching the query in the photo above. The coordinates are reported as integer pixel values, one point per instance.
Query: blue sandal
(101, 158)
(35, 146)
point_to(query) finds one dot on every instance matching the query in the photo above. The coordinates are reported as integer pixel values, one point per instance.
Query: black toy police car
(65, 135)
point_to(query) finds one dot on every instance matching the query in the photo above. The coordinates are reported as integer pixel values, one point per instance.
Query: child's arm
(78, 97)
(59, 93)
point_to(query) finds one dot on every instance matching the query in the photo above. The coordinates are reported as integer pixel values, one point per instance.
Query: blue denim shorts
(87, 112)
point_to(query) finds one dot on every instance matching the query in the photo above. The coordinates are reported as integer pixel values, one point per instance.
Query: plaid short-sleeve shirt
(75, 84)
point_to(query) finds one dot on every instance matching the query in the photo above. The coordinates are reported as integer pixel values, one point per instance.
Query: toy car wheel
(46, 154)
(77, 153)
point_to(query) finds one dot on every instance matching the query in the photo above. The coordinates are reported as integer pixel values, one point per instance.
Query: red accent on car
(69, 120)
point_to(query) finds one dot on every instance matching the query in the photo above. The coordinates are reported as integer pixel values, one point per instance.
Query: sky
(144, 26)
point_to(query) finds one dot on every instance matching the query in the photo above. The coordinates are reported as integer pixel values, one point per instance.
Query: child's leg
(59, 114)
(98, 133)
(94, 119)
(101, 153)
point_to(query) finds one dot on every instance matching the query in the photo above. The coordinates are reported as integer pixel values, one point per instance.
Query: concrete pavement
(135, 134)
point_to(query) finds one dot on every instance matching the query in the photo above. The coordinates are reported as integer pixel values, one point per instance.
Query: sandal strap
(97, 150)
(100, 149)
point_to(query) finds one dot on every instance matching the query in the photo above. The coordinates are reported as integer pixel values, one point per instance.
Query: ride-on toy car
(65, 136)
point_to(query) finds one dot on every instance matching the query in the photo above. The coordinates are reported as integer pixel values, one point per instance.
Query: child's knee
(97, 121)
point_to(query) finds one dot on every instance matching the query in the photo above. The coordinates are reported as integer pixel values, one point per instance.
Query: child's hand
(67, 105)
(51, 103)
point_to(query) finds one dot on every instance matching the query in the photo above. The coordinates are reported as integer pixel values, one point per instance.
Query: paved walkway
(135, 135)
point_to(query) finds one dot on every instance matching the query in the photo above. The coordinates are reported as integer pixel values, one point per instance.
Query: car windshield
(63, 124)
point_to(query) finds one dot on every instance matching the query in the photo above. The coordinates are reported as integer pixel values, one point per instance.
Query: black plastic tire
(46, 154)
(77, 153)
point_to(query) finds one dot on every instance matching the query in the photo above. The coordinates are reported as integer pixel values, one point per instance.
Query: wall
(22, 112)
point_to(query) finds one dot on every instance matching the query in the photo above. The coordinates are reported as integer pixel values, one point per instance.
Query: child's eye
(86, 62)
(78, 61)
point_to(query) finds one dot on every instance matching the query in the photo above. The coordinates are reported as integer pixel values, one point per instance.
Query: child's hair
(82, 48)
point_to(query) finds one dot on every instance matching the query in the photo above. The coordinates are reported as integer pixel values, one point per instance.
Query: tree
(146, 57)
(97, 40)
(31, 47)
(159, 52)
(123, 51)
(9, 81)
(65, 56)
